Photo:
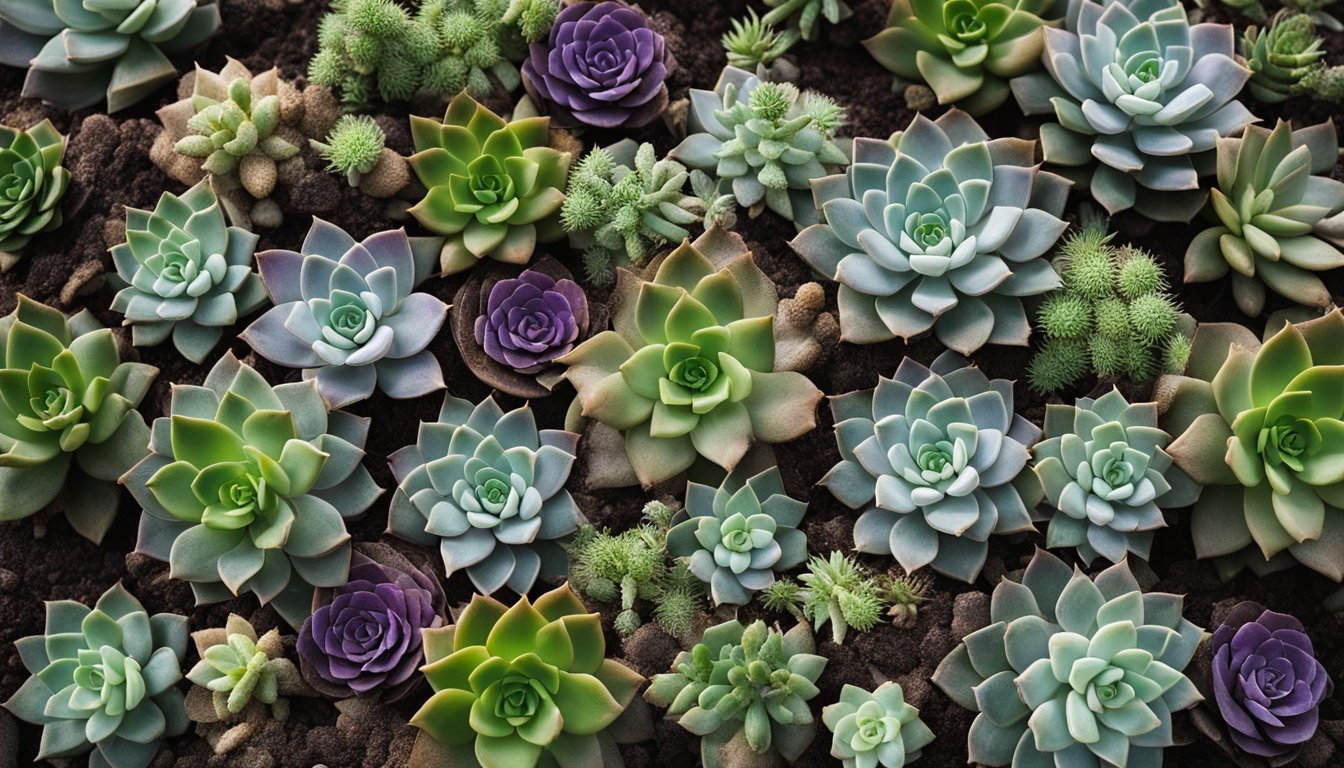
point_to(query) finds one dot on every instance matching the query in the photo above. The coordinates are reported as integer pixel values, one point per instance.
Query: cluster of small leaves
(754, 43)
(905, 593)
(1285, 57)
(1255, 10)
(806, 15)
(632, 565)
(1114, 316)
(353, 147)
(834, 589)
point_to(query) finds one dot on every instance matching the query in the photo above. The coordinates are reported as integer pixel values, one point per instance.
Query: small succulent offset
(1261, 428)
(1280, 216)
(32, 183)
(767, 140)
(752, 43)
(875, 728)
(364, 637)
(1073, 671)
(1141, 96)
(965, 50)
(905, 593)
(353, 147)
(515, 686)
(806, 15)
(488, 489)
(937, 460)
(737, 536)
(104, 681)
(494, 186)
(744, 686)
(839, 591)
(346, 314)
(234, 128)
(184, 273)
(603, 66)
(623, 204)
(1267, 682)
(938, 228)
(80, 52)
(690, 369)
(238, 667)
(1103, 468)
(247, 488)
(1281, 55)
(67, 407)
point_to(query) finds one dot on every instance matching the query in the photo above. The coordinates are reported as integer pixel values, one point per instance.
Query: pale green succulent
(1072, 671)
(838, 591)
(229, 127)
(241, 669)
(877, 728)
(806, 15)
(752, 42)
(32, 184)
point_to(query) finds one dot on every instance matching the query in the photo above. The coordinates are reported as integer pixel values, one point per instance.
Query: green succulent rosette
(32, 183)
(67, 416)
(877, 728)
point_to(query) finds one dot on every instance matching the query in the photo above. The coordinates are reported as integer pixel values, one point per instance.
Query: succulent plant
(937, 460)
(1260, 428)
(767, 140)
(32, 183)
(1267, 682)
(744, 686)
(1139, 119)
(238, 667)
(965, 50)
(839, 591)
(183, 272)
(234, 127)
(690, 369)
(623, 204)
(905, 593)
(1073, 671)
(737, 536)
(104, 681)
(353, 148)
(603, 66)
(939, 228)
(67, 416)
(494, 186)
(752, 43)
(247, 488)
(875, 728)
(488, 489)
(1280, 55)
(806, 15)
(80, 52)
(515, 686)
(364, 637)
(1104, 470)
(345, 313)
(1280, 216)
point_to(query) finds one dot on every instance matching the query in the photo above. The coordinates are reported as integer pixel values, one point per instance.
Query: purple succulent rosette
(603, 66)
(365, 637)
(1267, 681)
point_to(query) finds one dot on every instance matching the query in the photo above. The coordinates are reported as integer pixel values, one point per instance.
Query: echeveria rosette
(184, 273)
(80, 52)
(744, 687)
(1261, 428)
(1104, 469)
(1267, 682)
(1280, 217)
(690, 368)
(494, 187)
(520, 686)
(875, 728)
(247, 488)
(1073, 671)
(104, 681)
(32, 183)
(531, 320)
(602, 66)
(937, 460)
(739, 535)
(345, 313)
(965, 49)
(364, 637)
(1141, 96)
(67, 416)
(488, 489)
(939, 228)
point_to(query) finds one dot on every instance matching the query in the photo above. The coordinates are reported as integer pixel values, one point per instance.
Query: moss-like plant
(838, 590)
(353, 147)
(1114, 316)
(32, 183)
(752, 43)
(238, 667)
(904, 594)
(806, 15)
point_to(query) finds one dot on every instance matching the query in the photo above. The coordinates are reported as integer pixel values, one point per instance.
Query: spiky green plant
(752, 43)
(353, 147)
(904, 594)
(838, 591)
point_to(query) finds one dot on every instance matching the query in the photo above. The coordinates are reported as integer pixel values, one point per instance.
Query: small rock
(970, 611)
(9, 581)
(234, 738)
(84, 279)
(919, 97)
(266, 214)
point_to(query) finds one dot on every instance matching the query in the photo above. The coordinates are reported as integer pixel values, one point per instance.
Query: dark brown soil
(109, 158)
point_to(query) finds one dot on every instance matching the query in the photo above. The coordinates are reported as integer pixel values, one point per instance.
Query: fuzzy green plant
(875, 729)
(838, 591)
(226, 131)
(904, 594)
(1073, 671)
(1281, 54)
(1114, 316)
(752, 43)
(744, 687)
(494, 186)
(68, 418)
(766, 140)
(238, 667)
(806, 15)
(104, 681)
(965, 49)
(1325, 84)
(32, 184)
(623, 203)
(1279, 217)
(353, 147)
